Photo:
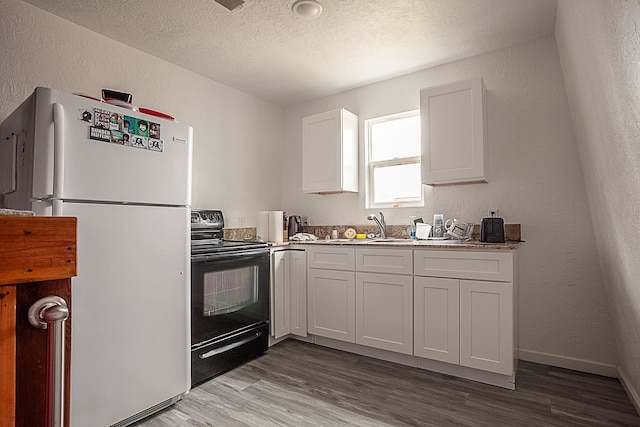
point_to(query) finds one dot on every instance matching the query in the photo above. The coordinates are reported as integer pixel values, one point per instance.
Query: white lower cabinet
(464, 321)
(486, 326)
(451, 306)
(384, 311)
(288, 293)
(331, 304)
(351, 298)
(280, 299)
(436, 319)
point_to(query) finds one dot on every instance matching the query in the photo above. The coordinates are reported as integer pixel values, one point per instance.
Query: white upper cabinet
(454, 142)
(330, 152)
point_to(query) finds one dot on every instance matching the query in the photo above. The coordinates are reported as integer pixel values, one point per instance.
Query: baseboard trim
(572, 363)
(631, 392)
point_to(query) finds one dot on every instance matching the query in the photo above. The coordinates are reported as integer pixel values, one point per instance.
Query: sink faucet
(381, 223)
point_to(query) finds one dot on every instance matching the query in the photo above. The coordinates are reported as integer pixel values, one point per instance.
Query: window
(393, 161)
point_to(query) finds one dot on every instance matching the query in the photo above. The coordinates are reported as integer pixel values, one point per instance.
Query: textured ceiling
(264, 50)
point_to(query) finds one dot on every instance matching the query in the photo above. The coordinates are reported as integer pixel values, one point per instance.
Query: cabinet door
(330, 152)
(384, 311)
(486, 326)
(331, 304)
(280, 295)
(298, 292)
(453, 133)
(436, 319)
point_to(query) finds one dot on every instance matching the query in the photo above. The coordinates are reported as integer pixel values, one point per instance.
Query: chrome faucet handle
(384, 223)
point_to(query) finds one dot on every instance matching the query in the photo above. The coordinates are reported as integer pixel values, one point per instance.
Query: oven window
(227, 291)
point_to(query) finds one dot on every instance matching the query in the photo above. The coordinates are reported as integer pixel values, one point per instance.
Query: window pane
(395, 138)
(397, 183)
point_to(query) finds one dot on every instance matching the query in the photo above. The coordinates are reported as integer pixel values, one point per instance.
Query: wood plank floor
(300, 384)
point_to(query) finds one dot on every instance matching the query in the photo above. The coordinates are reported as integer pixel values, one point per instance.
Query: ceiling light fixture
(307, 9)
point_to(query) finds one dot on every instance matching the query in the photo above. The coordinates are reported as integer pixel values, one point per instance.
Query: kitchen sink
(333, 240)
(392, 240)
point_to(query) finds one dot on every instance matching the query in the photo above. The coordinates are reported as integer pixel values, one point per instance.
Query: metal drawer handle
(52, 310)
(230, 346)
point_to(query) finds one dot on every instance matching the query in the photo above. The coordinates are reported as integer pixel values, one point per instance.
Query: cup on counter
(457, 229)
(423, 230)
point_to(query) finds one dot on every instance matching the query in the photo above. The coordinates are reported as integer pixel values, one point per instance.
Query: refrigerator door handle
(58, 158)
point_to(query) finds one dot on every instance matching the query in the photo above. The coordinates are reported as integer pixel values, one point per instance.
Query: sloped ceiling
(266, 51)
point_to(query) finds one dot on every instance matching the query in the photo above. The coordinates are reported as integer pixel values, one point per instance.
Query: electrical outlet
(305, 220)
(241, 221)
(493, 212)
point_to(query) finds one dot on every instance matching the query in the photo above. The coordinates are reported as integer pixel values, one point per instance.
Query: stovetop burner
(207, 235)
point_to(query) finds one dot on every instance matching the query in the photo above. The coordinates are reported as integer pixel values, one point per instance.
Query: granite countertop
(398, 232)
(408, 243)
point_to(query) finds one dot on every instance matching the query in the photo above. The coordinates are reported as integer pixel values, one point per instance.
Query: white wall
(599, 47)
(237, 138)
(534, 179)
(535, 176)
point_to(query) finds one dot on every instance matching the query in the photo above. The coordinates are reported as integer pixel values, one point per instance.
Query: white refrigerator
(126, 176)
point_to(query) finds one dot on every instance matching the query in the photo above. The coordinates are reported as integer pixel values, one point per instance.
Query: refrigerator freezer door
(130, 310)
(108, 170)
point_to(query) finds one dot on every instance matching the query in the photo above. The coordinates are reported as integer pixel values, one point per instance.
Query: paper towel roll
(275, 226)
(262, 225)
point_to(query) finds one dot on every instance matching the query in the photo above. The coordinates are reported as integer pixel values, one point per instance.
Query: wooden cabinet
(37, 259)
(484, 308)
(454, 142)
(436, 319)
(330, 152)
(288, 293)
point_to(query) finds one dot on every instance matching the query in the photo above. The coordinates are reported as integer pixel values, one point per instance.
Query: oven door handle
(230, 346)
(229, 255)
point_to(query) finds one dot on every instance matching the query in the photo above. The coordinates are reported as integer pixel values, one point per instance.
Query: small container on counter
(438, 225)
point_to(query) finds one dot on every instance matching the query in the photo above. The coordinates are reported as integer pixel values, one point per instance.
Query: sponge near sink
(350, 233)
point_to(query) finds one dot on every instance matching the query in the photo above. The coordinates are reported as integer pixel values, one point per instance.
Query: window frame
(370, 165)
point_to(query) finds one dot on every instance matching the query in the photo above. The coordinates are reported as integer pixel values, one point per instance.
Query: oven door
(229, 292)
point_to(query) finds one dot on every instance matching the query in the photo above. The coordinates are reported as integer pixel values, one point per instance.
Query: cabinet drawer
(394, 261)
(493, 266)
(331, 258)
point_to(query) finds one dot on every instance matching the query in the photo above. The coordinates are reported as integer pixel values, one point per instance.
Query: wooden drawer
(394, 261)
(331, 258)
(476, 265)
